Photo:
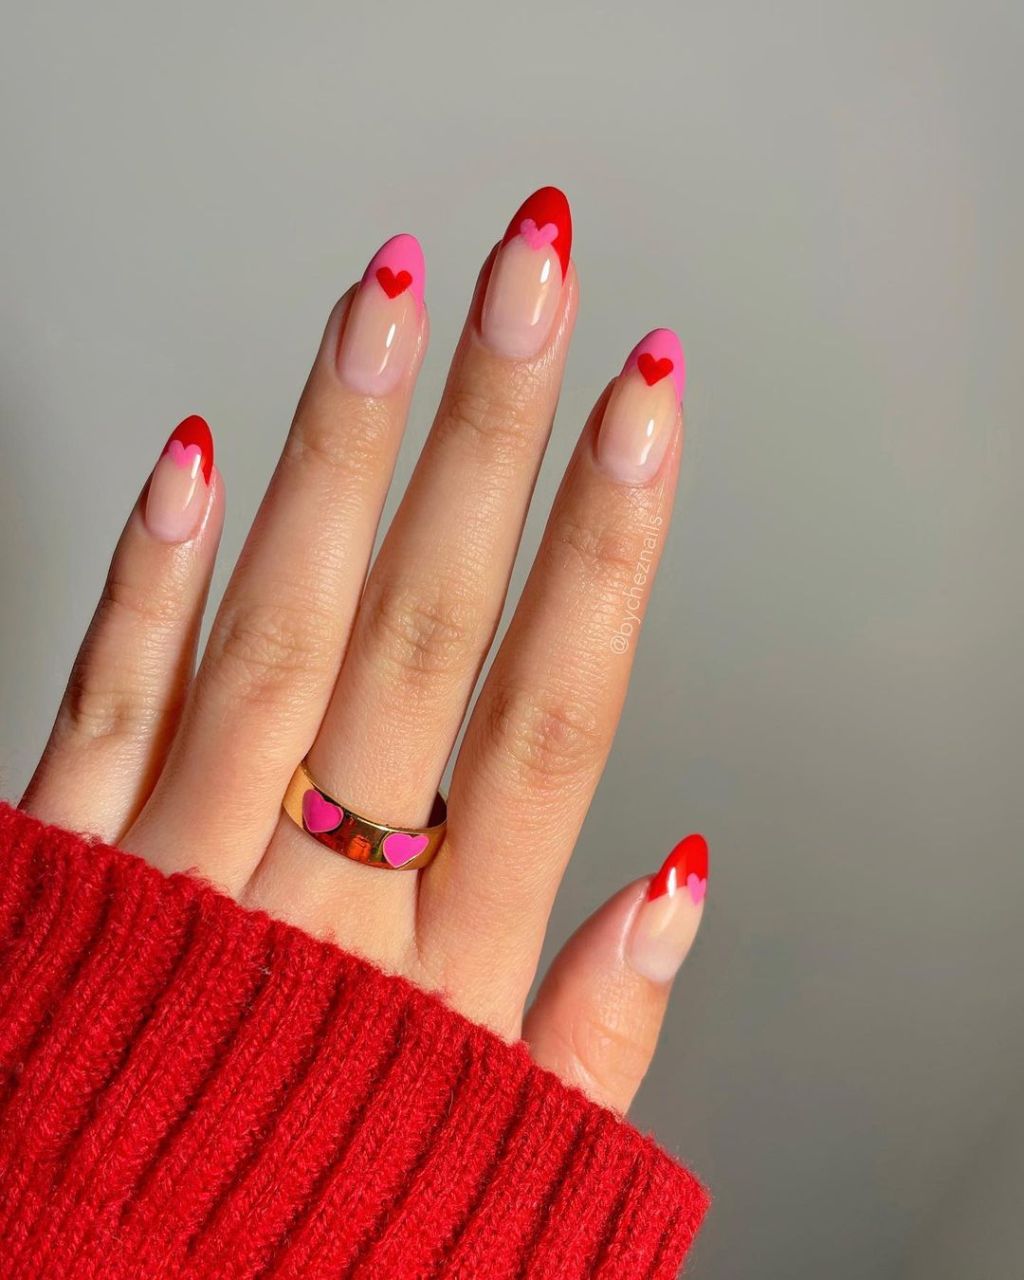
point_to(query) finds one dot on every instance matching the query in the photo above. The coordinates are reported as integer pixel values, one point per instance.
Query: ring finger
(543, 725)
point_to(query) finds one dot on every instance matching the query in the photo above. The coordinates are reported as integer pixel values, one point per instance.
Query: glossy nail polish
(643, 409)
(382, 329)
(666, 923)
(526, 280)
(179, 488)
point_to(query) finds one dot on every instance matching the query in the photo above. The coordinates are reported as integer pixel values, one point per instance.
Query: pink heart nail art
(319, 814)
(184, 455)
(697, 887)
(537, 237)
(399, 847)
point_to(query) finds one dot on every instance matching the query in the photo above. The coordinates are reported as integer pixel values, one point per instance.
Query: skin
(313, 649)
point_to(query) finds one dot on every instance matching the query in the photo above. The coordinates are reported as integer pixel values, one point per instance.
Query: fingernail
(666, 924)
(642, 410)
(525, 287)
(179, 488)
(382, 328)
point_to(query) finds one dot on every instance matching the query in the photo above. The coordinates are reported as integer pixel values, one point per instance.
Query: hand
(368, 676)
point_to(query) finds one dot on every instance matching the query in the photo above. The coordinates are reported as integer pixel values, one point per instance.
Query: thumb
(597, 1017)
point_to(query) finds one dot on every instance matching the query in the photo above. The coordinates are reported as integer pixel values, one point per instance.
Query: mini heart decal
(400, 847)
(697, 887)
(537, 237)
(188, 456)
(393, 283)
(319, 814)
(543, 219)
(191, 443)
(653, 370)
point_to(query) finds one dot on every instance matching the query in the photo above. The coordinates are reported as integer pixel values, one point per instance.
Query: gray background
(826, 199)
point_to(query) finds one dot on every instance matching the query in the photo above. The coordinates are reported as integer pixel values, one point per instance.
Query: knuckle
(116, 699)
(126, 606)
(497, 424)
(420, 634)
(607, 554)
(549, 739)
(315, 443)
(96, 709)
(616, 1058)
(268, 652)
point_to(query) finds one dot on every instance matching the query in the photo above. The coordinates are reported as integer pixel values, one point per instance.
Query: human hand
(368, 675)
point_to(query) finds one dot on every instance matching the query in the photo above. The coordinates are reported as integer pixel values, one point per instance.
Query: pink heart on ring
(319, 814)
(537, 237)
(697, 887)
(399, 847)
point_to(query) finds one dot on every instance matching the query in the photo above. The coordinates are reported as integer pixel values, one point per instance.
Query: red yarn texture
(191, 1089)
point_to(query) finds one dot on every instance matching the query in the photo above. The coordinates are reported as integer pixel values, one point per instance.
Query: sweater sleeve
(191, 1089)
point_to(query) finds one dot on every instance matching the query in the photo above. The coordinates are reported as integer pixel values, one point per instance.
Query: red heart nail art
(653, 370)
(391, 283)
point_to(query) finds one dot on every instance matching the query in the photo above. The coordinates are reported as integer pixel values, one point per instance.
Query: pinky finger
(598, 1014)
(122, 702)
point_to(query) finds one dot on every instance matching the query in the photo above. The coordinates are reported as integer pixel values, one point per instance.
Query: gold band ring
(333, 824)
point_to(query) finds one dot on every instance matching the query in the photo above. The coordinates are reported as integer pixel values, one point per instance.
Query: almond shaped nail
(643, 409)
(382, 330)
(179, 488)
(666, 923)
(525, 285)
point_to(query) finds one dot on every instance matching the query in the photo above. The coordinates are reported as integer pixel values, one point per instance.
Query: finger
(436, 590)
(598, 1014)
(129, 681)
(278, 637)
(542, 727)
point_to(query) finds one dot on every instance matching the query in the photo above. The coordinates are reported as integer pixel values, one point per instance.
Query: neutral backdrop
(826, 200)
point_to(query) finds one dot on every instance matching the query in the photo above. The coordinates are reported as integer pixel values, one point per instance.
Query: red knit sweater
(191, 1089)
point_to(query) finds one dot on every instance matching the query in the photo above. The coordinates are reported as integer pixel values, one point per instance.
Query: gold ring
(334, 825)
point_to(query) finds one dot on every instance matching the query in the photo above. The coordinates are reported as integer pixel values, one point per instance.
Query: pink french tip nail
(179, 488)
(643, 409)
(398, 266)
(525, 285)
(666, 923)
(659, 356)
(380, 341)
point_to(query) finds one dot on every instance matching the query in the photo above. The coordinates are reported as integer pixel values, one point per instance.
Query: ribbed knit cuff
(188, 1089)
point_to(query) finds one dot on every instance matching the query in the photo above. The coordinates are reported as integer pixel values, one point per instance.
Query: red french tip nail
(195, 431)
(686, 866)
(544, 217)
